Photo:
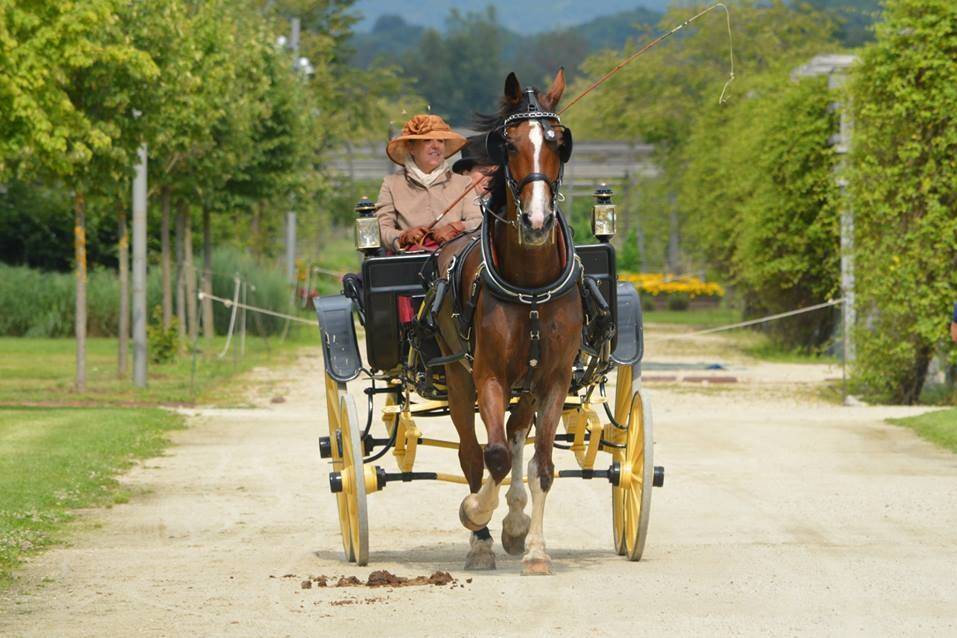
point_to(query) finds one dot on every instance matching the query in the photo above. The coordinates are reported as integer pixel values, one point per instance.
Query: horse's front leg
(516, 522)
(541, 474)
(477, 509)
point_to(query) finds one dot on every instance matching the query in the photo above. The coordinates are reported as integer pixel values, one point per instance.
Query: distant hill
(392, 36)
(456, 56)
(528, 16)
(601, 23)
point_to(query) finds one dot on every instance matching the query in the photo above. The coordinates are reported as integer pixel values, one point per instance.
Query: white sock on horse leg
(535, 541)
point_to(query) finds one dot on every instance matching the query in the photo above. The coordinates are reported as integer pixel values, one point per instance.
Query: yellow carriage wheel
(637, 475)
(335, 442)
(623, 396)
(353, 478)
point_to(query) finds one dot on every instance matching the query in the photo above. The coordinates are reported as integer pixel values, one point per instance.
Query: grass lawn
(55, 460)
(937, 427)
(38, 371)
(703, 318)
(60, 449)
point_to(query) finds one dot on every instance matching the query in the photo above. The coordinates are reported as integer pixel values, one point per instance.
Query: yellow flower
(661, 284)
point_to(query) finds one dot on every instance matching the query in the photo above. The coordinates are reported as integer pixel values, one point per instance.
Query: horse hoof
(537, 567)
(480, 556)
(514, 545)
(480, 562)
(514, 530)
(469, 523)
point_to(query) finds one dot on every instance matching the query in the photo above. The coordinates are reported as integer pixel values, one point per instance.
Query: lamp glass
(603, 220)
(367, 233)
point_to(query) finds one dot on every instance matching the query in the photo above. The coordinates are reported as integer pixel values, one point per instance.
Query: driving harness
(489, 279)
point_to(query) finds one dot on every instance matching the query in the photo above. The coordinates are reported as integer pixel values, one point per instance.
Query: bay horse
(520, 287)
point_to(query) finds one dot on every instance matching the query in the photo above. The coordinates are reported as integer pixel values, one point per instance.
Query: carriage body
(393, 359)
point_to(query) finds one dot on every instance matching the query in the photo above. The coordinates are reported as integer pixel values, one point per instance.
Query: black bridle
(496, 145)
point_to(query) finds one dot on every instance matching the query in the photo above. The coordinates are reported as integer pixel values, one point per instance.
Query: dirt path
(781, 515)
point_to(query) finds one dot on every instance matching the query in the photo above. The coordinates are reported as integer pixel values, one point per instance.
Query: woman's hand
(412, 236)
(447, 232)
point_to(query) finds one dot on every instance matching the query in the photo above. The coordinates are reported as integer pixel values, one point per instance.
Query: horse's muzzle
(531, 236)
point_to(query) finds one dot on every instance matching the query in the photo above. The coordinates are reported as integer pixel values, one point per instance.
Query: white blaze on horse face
(538, 206)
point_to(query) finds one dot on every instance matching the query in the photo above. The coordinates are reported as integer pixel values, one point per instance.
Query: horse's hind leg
(516, 522)
(541, 474)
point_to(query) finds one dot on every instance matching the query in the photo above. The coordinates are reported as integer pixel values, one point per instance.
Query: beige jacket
(404, 203)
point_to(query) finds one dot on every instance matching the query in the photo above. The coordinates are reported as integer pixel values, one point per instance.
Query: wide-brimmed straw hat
(424, 127)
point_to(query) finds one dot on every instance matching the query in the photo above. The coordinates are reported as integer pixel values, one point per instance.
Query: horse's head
(531, 146)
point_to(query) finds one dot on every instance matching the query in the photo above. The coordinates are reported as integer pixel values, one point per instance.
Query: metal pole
(291, 247)
(294, 28)
(242, 326)
(139, 271)
(836, 81)
(835, 67)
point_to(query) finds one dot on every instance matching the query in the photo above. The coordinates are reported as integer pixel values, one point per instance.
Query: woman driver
(414, 198)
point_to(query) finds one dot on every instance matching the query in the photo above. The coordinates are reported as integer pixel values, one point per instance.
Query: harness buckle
(533, 314)
(534, 335)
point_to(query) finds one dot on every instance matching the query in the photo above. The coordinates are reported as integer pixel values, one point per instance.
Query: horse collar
(505, 291)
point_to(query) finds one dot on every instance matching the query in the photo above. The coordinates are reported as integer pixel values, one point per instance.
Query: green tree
(904, 186)
(659, 97)
(462, 72)
(67, 97)
(759, 184)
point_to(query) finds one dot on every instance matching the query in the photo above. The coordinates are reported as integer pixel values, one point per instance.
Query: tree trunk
(79, 252)
(122, 367)
(164, 261)
(208, 328)
(914, 381)
(180, 277)
(189, 273)
(254, 229)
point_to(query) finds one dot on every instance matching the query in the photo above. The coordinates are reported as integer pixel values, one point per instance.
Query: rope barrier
(232, 303)
(232, 316)
(228, 303)
(751, 322)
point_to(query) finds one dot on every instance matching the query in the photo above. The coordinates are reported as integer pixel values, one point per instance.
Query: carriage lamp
(367, 227)
(603, 214)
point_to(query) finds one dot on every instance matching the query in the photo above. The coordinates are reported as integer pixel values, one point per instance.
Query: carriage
(400, 366)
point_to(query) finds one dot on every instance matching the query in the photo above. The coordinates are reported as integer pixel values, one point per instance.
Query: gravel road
(781, 515)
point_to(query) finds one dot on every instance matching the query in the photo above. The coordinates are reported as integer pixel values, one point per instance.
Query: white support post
(835, 67)
(291, 247)
(139, 271)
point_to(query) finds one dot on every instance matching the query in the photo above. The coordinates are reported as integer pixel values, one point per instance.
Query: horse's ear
(555, 92)
(513, 89)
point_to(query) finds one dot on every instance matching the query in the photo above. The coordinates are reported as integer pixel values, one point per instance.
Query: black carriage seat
(385, 279)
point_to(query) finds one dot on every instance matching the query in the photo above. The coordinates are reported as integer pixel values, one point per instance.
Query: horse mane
(485, 122)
